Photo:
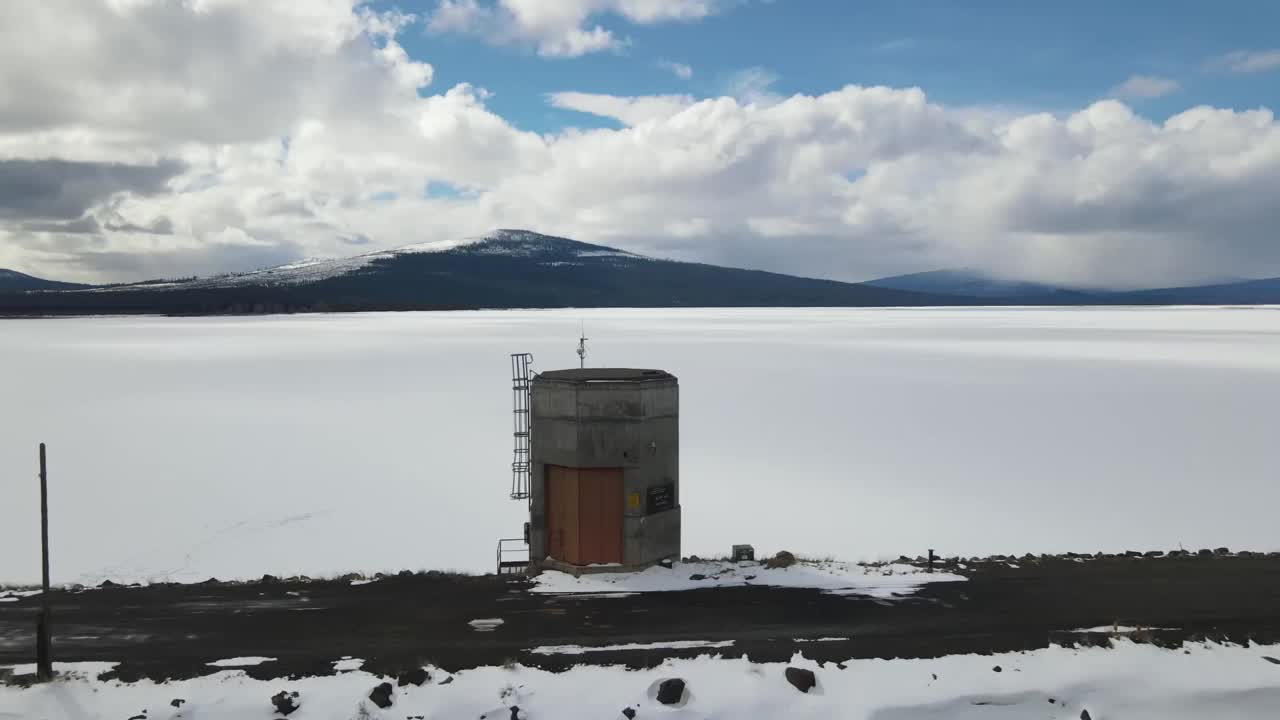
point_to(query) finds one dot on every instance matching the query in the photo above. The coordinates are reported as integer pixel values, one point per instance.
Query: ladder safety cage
(521, 364)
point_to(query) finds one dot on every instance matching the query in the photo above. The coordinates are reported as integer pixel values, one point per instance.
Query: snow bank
(840, 578)
(1133, 682)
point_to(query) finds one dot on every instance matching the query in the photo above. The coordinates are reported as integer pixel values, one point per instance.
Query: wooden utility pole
(44, 659)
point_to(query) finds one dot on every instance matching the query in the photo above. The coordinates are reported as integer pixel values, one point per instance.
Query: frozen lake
(231, 447)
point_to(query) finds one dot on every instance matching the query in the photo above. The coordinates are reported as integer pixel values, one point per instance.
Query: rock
(138, 717)
(413, 677)
(107, 584)
(1222, 551)
(783, 559)
(670, 691)
(381, 695)
(269, 580)
(629, 713)
(1271, 660)
(1084, 715)
(748, 577)
(286, 702)
(801, 679)
(177, 702)
(1052, 701)
(447, 680)
(997, 669)
(1204, 552)
(697, 576)
(1153, 553)
(516, 714)
(405, 573)
(1132, 553)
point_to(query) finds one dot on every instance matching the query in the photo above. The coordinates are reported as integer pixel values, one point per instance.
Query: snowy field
(1133, 682)
(232, 447)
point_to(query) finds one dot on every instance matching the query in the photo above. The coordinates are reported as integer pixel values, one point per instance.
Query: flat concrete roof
(587, 375)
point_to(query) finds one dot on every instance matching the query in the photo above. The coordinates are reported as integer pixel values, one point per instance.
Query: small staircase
(513, 556)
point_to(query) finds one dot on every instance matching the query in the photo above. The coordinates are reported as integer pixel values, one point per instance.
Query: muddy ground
(172, 631)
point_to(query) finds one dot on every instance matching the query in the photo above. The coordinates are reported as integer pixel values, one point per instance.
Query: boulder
(1222, 551)
(1084, 715)
(997, 669)
(286, 702)
(801, 679)
(1132, 553)
(381, 695)
(177, 702)
(670, 691)
(1153, 553)
(516, 714)
(1271, 660)
(783, 559)
(417, 676)
(629, 713)
(447, 680)
(1204, 552)
(697, 576)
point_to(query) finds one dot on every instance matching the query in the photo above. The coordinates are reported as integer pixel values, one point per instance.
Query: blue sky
(1024, 55)
(1117, 144)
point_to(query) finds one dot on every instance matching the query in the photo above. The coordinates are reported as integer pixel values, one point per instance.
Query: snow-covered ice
(1129, 682)
(188, 448)
(839, 578)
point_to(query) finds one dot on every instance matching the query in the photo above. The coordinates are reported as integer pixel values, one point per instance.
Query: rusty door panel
(600, 493)
(584, 515)
(562, 513)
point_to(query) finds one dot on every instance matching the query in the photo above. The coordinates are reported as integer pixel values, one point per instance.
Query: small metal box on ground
(604, 469)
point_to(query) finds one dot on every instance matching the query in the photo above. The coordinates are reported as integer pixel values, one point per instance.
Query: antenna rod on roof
(582, 347)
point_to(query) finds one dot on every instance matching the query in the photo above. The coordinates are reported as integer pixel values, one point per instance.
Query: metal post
(44, 659)
(931, 557)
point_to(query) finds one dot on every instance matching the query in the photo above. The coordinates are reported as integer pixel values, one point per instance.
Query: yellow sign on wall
(633, 501)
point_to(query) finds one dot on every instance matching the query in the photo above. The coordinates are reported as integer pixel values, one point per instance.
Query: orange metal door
(600, 516)
(562, 514)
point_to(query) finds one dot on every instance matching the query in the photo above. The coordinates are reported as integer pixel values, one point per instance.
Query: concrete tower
(604, 469)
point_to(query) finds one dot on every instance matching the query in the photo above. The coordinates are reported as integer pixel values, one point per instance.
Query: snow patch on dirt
(840, 578)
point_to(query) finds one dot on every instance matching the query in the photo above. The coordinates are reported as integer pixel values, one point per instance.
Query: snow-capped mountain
(503, 269)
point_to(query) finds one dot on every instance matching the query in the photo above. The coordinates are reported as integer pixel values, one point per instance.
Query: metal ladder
(520, 372)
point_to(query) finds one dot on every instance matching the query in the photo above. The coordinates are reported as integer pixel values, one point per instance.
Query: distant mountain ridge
(504, 269)
(12, 280)
(969, 283)
(976, 284)
(524, 269)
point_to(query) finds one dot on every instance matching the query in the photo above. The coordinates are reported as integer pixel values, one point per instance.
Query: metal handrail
(504, 550)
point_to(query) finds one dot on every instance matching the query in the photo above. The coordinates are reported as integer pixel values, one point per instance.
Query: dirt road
(173, 631)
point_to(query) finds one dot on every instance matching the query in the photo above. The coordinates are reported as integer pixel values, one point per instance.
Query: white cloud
(1142, 87)
(246, 132)
(752, 85)
(1248, 61)
(562, 28)
(680, 70)
(628, 111)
